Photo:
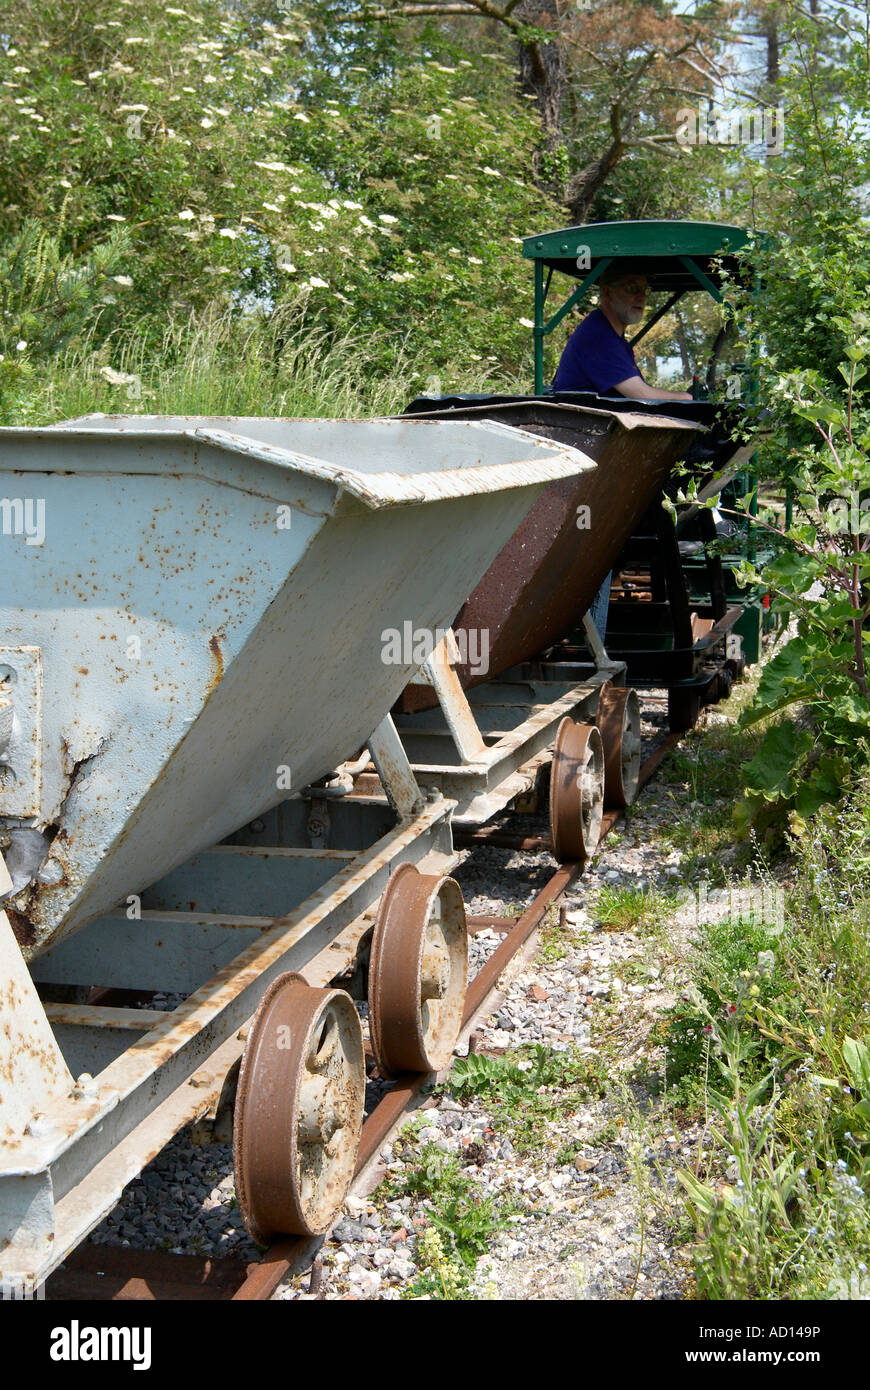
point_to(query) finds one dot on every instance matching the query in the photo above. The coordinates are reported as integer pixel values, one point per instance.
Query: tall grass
(219, 363)
(776, 1035)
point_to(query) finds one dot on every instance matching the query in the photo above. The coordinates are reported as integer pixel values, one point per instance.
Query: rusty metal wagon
(487, 731)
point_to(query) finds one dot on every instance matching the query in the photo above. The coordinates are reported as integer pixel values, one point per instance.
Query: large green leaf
(856, 1055)
(772, 771)
(824, 784)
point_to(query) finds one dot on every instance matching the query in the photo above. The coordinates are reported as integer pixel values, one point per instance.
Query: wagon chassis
(107, 1272)
(154, 1071)
(218, 930)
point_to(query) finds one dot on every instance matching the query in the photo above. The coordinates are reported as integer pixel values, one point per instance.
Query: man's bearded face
(626, 298)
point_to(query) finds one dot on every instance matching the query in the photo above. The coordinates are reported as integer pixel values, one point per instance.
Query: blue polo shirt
(595, 358)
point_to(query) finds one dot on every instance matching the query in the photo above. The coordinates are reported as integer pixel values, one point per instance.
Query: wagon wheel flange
(418, 972)
(299, 1109)
(576, 791)
(619, 723)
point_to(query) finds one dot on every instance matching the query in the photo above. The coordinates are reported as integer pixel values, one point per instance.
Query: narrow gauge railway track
(100, 1273)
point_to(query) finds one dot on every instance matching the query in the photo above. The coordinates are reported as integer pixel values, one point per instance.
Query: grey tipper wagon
(192, 663)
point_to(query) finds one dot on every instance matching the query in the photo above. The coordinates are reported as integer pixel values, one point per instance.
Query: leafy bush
(820, 575)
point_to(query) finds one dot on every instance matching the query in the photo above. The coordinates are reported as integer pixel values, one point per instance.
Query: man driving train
(597, 356)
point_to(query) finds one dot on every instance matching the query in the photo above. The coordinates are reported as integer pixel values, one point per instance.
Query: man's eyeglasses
(631, 287)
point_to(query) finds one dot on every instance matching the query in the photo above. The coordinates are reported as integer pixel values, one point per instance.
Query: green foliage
(735, 967)
(821, 575)
(526, 1088)
(262, 159)
(463, 1222)
(781, 1204)
(213, 363)
(631, 909)
(51, 301)
(856, 1056)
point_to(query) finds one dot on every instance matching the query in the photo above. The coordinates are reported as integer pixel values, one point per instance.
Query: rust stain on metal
(217, 671)
(22, 928)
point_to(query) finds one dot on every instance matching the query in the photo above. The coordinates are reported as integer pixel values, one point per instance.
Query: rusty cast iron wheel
(418, 972)
(299, 1109)
(619, 723)
(576, 791)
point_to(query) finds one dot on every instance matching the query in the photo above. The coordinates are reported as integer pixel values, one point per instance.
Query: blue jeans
(599, 605)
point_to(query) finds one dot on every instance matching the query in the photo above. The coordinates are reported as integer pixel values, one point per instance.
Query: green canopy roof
(660, 246)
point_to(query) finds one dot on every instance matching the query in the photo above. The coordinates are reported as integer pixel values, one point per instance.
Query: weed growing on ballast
(527, 1088)
(463, 1222)
(629, 909)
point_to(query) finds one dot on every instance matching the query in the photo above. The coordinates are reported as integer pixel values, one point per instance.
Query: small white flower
(186, 215)
(494, 172)
(301, 116)
(209, 78)
(475, 260)
(228, 232)
(354, 206)
(365, 221)
(317, 284)
(386, 217)
(115, 217)
(271, 207)
(65, 183)
(122, 280)
(20, 346)
(526, 323)
(206, 123)
(95, 74)
(131, 42)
